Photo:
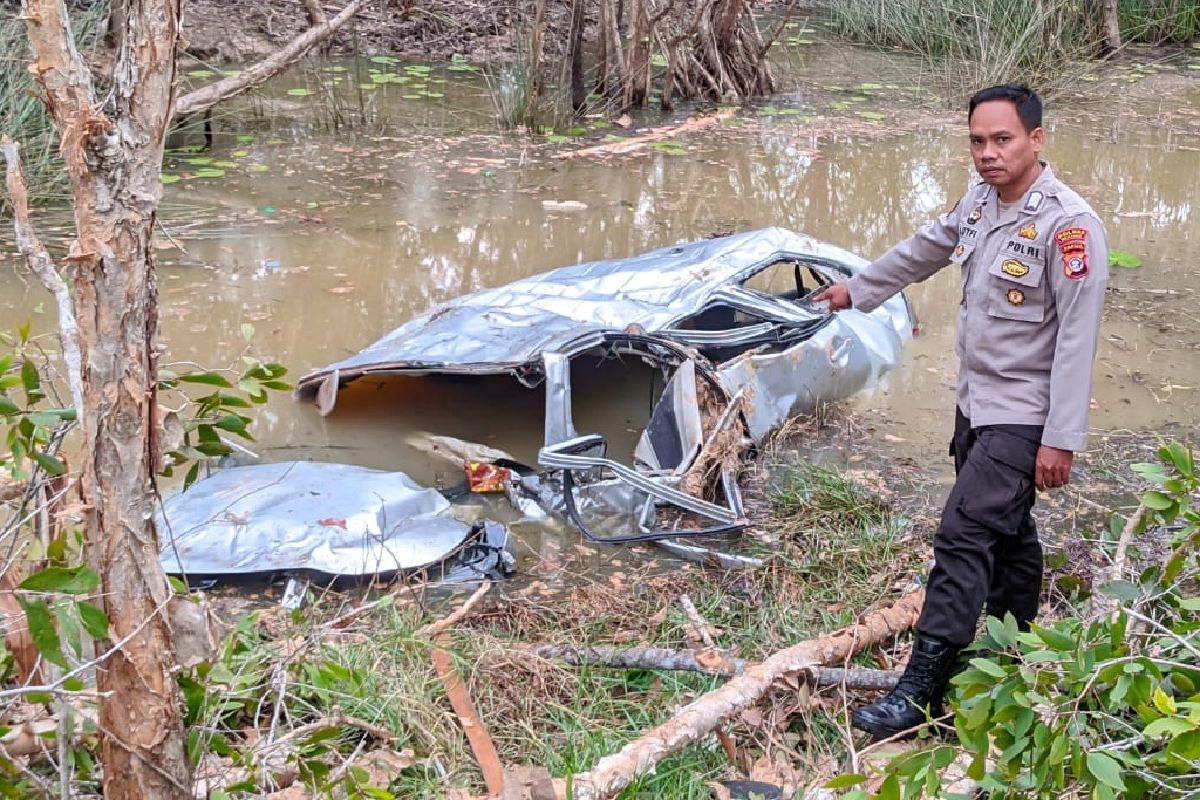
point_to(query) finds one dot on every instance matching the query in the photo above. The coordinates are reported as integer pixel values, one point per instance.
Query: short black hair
(1026, 100)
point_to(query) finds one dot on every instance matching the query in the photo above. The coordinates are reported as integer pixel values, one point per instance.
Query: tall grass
(1159, 21)
(22, 113)
(973, 43)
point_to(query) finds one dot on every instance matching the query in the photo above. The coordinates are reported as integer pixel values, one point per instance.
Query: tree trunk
(578, 90)
(1112, 28)
(533, 93)
(113, 150)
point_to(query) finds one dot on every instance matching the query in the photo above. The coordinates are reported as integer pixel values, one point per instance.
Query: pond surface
(324, 240)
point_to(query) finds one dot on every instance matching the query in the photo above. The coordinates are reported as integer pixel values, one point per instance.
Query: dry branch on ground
(614, 772)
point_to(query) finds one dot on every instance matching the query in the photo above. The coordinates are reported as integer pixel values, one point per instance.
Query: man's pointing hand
(838, 297)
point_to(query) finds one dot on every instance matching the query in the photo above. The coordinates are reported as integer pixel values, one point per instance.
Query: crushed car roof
(561, 311)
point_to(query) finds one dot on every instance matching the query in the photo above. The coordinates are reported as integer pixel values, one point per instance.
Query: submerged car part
(693, 310)
(323, 521)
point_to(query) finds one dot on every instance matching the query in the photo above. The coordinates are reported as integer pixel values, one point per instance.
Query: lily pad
(658, 60)
(870, 87)
(245, 138)
(276, 141)
(167, 177)
(874, 116)
(1123, 259)
(201, 73)
(209, 172)
(434, 95)
(577, 132)
(199, 161)
(557, 138)
(258, 168)
(411, 96)
(368, 87)
(768, 111)
(299, 92)
(384, 60)
(418, 69)
(670, 147)
(240, 153)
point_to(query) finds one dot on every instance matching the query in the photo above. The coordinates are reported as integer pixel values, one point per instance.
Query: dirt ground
(236, 31)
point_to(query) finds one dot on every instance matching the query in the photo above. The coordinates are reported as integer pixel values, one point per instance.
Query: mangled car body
(324, 522)
(737, 361)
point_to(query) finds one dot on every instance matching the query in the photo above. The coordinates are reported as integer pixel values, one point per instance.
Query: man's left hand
(1053, 468)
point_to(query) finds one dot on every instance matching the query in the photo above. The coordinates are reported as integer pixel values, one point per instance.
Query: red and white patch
(1072, 243)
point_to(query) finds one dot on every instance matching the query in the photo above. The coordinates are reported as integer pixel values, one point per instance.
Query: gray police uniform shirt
(1033, 281)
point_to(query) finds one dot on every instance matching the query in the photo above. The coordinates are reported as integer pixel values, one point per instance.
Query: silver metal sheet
(306, 517)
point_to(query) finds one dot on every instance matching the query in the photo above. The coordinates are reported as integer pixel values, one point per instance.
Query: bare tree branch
(272, 65)
(43, 266)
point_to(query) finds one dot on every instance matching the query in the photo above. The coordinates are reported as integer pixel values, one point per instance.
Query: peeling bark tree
(113, 150)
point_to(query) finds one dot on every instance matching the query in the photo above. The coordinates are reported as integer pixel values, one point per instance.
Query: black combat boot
(921, 687)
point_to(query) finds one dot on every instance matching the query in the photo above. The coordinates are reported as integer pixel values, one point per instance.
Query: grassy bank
(832, 548)
(23, 115)
(971, 43)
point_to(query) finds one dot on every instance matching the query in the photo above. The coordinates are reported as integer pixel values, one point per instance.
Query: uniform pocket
(999, 490)
(1016, 288)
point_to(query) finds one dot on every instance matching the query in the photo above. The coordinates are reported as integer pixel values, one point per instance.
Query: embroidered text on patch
(1072, 243)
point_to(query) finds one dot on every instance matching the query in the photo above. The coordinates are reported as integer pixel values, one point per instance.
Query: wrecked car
(729, 323)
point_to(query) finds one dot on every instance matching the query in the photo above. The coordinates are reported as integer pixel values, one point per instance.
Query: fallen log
(614, 772)
(707, 662)
(281, 59)
(638, 142)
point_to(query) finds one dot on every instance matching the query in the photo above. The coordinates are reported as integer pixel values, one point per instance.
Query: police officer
(1033, 257)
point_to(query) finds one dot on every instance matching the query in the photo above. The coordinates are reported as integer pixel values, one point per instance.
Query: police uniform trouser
(986, 549)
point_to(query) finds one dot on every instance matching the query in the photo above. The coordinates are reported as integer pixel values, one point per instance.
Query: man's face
(1004, 152)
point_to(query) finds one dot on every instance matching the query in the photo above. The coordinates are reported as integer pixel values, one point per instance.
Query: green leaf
(68, 580)
(49, 463)
(191, 476)
(1105, 769)
(1164, 702)
(1157, 501)
(232, 423)
(1180, 457)
(69, 625)
(1119, 590)
(1167, 726)
(31, 381)
(7, 407)
(94, 620)
(209, 172)
(990, 667)
(1124, 260)
(42, 630)
(207, 378)
(846, 781)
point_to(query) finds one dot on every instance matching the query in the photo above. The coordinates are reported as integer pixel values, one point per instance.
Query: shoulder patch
(1072, 243)
(1034, 202)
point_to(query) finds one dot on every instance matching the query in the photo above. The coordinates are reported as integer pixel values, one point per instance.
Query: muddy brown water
(325, 240)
